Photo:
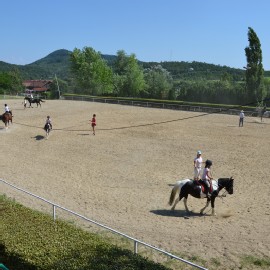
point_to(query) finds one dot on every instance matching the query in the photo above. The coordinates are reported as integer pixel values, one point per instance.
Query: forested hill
(198, 70)
(58, 63)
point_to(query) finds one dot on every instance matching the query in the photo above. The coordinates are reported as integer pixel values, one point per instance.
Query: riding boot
(207, 191)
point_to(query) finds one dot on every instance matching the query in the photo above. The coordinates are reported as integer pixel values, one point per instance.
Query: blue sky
(210, 31)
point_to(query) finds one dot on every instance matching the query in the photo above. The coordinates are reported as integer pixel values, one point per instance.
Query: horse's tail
(42, 100)
(175, 190)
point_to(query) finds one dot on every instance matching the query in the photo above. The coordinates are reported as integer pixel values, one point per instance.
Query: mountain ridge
(57, 62)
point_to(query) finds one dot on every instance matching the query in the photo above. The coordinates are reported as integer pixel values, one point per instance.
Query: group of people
(242, 116)
(49, 120)
(206, 176)
(93, 123)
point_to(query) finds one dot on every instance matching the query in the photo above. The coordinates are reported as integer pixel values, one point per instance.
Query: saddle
(202, 184)
(9, 113)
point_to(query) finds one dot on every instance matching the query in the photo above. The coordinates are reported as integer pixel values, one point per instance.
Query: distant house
(37, 86)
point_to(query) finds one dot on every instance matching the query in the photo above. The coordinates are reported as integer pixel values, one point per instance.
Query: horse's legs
(213, 212)
(175, 203)
(213, 206)
(185, 203)
(207, 204)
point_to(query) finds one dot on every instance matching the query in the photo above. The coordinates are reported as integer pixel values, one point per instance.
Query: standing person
(198, 165)
(93, 123)
(241, 118)
(207, 176)
(262, 112)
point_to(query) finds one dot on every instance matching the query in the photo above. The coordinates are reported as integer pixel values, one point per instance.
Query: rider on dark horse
(207, 177)
(48, 122)
(7, 110)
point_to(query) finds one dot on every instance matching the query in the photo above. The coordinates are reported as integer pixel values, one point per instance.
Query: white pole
(57, 87)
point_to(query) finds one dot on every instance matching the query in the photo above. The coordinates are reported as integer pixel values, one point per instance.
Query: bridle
(228, 188)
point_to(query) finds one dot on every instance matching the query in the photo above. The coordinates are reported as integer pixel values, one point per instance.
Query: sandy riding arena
(122, 177)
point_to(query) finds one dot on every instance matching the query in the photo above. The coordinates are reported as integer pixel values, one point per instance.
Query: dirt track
(122, 177)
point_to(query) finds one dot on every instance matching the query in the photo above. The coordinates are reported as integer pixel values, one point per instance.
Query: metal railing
(160, 105)
(136, 241)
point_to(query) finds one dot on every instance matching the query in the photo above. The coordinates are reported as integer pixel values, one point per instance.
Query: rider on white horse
(207, 176)
(48, 122)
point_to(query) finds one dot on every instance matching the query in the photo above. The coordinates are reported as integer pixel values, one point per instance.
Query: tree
(11, 82)
(16, 81)
(129, 78)
(91, 71)
(5, 82)
(254, 69)
(159, 82)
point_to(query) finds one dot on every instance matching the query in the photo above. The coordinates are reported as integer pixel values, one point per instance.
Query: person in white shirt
(241, 118)
(198, 165)
(48, 121)
(7, 110)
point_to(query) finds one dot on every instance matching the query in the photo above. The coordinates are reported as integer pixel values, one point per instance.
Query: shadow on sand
(39, 137)
(175, 213)
(83, 134)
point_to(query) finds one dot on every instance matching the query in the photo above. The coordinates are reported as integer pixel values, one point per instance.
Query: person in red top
(93, 123)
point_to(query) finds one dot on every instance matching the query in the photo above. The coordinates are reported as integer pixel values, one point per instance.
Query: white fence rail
(136, 241)
(171, 106)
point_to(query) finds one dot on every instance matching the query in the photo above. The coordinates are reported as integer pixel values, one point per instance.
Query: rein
(225, 190)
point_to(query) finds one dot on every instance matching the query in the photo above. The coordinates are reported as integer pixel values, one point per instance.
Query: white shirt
(48, 121)
(6, 109)
(242, 115)
(198, 162)
(205, 174)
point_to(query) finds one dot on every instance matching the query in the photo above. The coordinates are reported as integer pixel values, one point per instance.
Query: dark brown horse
(6, 118)
(34, 100)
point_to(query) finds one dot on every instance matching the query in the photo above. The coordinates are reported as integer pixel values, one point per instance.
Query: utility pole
(57, 87)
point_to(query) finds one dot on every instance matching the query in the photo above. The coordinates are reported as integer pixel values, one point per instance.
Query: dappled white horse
(195, 189)
(266, 114)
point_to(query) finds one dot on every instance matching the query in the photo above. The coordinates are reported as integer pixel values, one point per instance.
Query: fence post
(54, 212)
(135, 247)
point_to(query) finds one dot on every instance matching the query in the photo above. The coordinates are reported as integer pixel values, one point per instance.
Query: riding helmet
(48, 116)
(5, 104)
(208, 162)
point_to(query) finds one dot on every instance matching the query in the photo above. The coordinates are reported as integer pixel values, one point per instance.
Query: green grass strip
(32, 240)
